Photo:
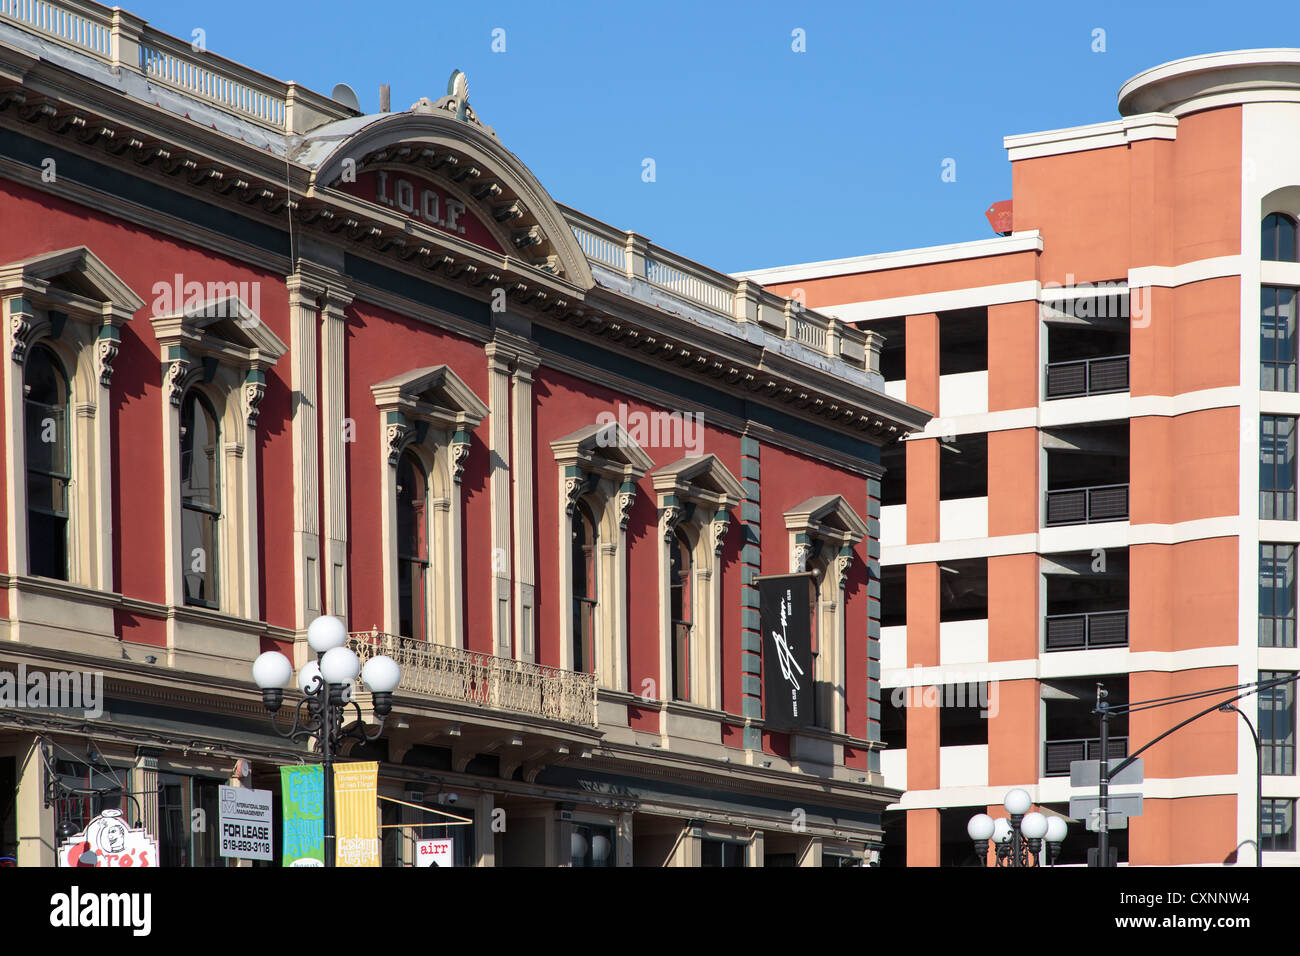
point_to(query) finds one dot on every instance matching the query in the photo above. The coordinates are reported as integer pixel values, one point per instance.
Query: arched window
(1278, 241)
(679, 599)
(200, 499)
(412, 548)
(584, 588)
(49, 464)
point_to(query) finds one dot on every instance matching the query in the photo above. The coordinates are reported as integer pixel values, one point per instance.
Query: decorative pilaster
(334, 481)
(21, 321)
(303, 292)
(751, 640)
(499, 456)
(521, 406)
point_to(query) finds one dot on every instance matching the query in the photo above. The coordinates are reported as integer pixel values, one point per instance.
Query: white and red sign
(435, 852)
(112, 842)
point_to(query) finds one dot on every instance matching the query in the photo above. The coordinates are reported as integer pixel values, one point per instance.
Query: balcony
(1087, 505)
(1059, 754)
(493, 683)
(1074, 632)
(1096, 376)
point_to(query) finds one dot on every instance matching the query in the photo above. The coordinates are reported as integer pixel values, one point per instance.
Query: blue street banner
(304, 815)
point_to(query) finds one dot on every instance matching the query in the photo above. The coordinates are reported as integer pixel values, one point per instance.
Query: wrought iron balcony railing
(1073, 632)
(1095, 376)
(495, 683)
(1058, 754)
(1087, 505)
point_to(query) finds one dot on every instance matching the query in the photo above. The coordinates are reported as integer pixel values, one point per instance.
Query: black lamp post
(1259, 784)
(1018, 839)
(326, 685)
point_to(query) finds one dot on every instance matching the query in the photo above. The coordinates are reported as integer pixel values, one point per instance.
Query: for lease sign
(246, 828)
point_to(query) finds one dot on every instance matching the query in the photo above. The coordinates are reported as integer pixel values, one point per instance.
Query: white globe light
(1056, 829)
(1034, 826)
(600, 849)
(1001, 830)
(340, 666)
(272, 670)
(307, 677)
(980, 827)
(326, 633)
(578, 846)
(1017, 802)
(381, 674)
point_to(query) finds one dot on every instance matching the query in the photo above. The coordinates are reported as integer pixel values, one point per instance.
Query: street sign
(1087, 773)
(1118, 820)
(435, 852)
(1129, 804)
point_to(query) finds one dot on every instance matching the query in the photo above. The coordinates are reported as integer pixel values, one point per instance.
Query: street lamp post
(1017, 840)
(1259, 783)
(326, 685)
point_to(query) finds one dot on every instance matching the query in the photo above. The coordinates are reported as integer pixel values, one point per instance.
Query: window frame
(824, 533)
(431, 413)
(1281, 217)
(601, 465)
(1275, 620)
(223, 348)
(697, 496)
(45, 347)
(212, 511)
(1271, 368)
(71, 302)
(1270, 495)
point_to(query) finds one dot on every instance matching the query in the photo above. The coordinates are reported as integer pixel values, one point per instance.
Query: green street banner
(304, 815)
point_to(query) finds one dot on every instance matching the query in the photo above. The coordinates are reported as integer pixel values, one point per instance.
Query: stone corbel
(626, 499)
(20, 324)
(671, 513)
(575, 486)
(396, 429)
(843, 562)
(459, 454)
(254, 392)
(106, 351)
(719, 527)
(803, 552)
(178, 367)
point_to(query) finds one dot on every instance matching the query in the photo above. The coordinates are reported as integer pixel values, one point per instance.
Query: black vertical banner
(783, 616)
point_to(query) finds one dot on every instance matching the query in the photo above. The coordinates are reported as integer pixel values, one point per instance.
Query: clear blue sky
(763, 156)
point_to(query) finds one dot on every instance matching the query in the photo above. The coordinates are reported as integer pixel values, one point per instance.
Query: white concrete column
(523, 481)
(333, 340)
(499, 456)
(306, 546)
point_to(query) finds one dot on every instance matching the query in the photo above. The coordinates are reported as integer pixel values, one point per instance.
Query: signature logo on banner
(785, 656)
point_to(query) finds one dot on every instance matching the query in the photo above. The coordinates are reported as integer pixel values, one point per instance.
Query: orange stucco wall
(1013, 607)
(1205, 747)
(1183, 595)
(1013, 481)
(1185, 830)
(1013, 356)
(1184, 467)
(1013, 733)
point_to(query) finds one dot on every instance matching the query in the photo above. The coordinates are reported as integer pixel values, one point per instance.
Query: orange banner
(356, 814)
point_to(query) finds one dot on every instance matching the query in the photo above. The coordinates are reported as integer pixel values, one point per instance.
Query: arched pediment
(459, 180)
